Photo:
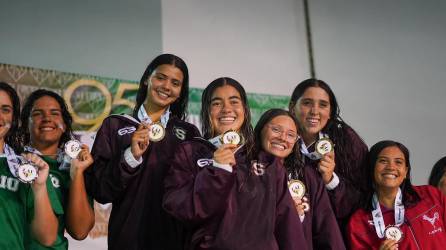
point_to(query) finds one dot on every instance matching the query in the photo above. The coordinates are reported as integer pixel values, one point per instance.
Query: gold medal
(231, 137)
(393, 233)
(156, 132)
(324, 146)
(296, 188)
(26, 172)
(72, 148)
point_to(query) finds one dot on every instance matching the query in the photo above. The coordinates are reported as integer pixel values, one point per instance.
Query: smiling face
(46, 124)
(6, 112)
(313, 112)
(165, 84)
(226, 110)
(279, 136)
(390, 169)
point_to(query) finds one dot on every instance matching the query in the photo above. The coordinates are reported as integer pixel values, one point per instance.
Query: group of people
(302, 178)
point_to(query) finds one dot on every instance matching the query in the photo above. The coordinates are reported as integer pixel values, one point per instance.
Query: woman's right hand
(140, 140)
(299, 206)
(225, 154)
(389, 245)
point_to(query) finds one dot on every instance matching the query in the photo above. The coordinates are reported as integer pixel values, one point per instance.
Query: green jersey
(15, 209)
(58, 184)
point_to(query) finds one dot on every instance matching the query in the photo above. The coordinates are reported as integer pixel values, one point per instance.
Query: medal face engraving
(156, 132)
(26, 173)
(72, 148)
(324, 146)
(393, 233)
(296, 188)
(231, 137)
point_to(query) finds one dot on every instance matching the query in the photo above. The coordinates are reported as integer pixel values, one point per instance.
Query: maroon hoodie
(137, 220)
(247, 209)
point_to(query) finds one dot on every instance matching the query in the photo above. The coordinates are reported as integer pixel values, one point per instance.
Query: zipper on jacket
(412, 232)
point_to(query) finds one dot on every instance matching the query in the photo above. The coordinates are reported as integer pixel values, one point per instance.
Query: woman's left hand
(82, 162)
(326, 167)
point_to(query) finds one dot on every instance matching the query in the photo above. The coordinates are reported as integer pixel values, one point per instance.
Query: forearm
(44, 224)
(80, 214)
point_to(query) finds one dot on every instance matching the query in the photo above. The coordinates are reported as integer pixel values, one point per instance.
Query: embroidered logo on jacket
(126, 130)
(258, 168)
(180, 133)
(55, 181)
(432, 222)
(204, 162)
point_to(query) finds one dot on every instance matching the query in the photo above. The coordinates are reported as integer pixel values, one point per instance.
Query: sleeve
(108, 176)
(288, 230)
(325, 229)
(355, 234)
(193, 195)
(345, 197)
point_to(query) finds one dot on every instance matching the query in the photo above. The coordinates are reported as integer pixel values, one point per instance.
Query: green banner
(92, 98)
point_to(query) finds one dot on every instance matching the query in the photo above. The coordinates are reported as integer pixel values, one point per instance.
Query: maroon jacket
(137, 220)
(242, 210)
(320, 225)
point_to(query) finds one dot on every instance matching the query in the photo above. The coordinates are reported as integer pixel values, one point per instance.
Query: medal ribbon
(378, 219)
(313, 155)
(12, 159)
(62, 158)
(144, 117)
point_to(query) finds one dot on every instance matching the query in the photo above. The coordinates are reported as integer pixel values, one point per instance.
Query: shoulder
(118, 122)
(183, 129)
(360, 218)
(427, 191)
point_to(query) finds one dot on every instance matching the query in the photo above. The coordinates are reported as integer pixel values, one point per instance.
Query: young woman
(46, 128)
(437, 177)
(276, 133)
(21, 203)
(230, 197)
(395, 214)
(314, 105)
(131, 156)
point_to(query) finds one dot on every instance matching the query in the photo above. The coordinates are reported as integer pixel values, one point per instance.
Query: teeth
(47, 129)
(163, 94)
(392, 176)
(227, 119)
(278, 146)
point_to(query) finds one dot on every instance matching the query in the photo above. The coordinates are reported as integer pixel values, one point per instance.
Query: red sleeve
(194, 194)
(356, 236)
(288, 231)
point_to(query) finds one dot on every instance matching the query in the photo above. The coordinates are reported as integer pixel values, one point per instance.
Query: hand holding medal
(33, 170)
(140, 140)
(297, 190)
(82, 161)
(227, 144)
(325, 148)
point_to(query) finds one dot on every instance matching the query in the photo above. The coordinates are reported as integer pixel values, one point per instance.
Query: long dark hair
(336, 128)
(12, 138)
(410, 196)
(179, 107)
(26, 114)
(437, 172)
(292, 162)
(206, 98)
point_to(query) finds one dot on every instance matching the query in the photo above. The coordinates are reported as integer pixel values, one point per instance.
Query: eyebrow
(41, 110)
(6, 106)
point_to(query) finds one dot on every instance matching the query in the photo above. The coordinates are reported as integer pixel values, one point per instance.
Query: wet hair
(177, 108)
(26, 115)
(437, 172)
(12, 138)
(410, 196)
(293, 162)
(245, 130)
(336, 128)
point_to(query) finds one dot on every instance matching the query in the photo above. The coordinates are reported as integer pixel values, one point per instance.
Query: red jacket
(424, 226)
